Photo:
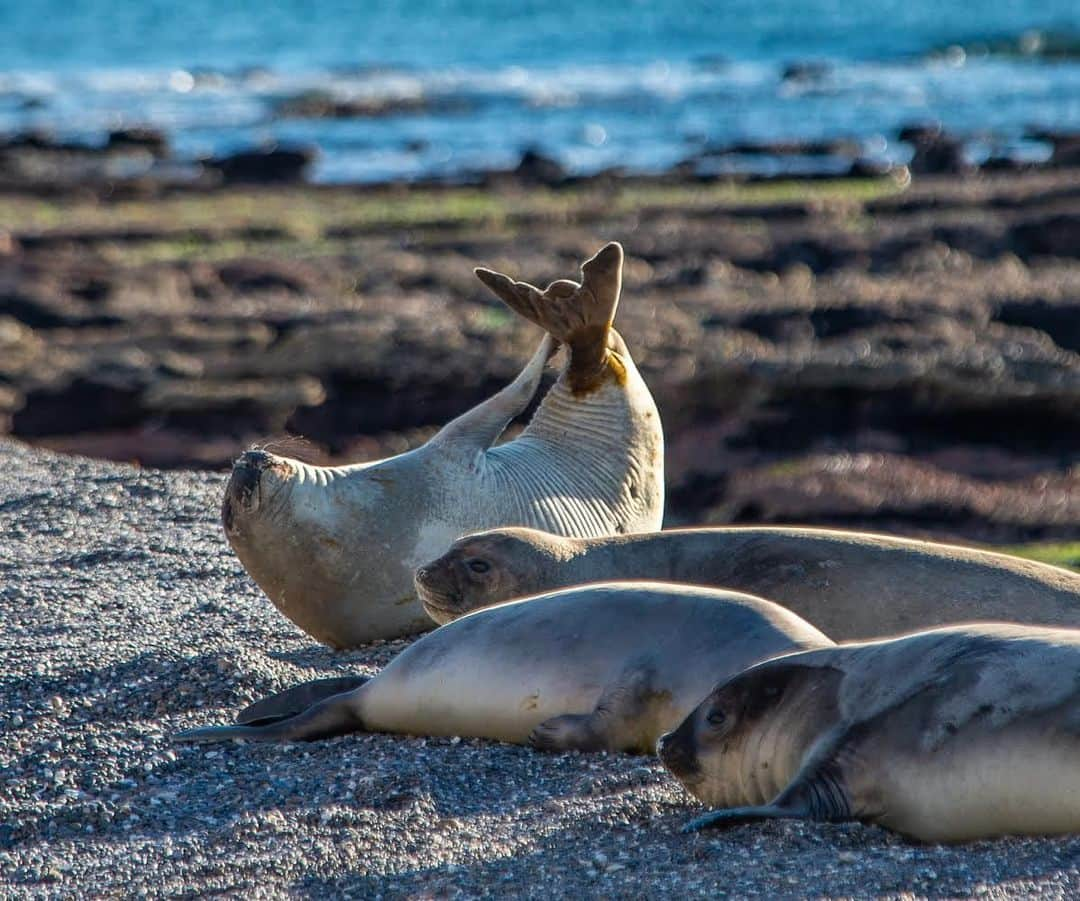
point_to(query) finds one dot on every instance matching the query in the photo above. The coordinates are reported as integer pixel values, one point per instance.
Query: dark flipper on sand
(296, 700)
(736, 816)
(328, 718)
(818, 792)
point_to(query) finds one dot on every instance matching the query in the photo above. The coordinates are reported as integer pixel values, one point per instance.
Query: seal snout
(675, 755)
(242, 492)
(437, 601)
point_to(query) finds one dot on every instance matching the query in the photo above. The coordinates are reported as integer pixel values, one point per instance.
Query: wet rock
(537, 168)
(864, 167)
(264, 166)
(264, 404)
(838, 147)
(1061, 321)
(936, 153)
(87, 403)
(1065, 144)
(40, 140)
(249, 276)
(1057, 236)
(1032, 43)
(1004, 164)
(805, 71)
(20, 348)
(875, 489)
(317, 104)
(919, 132)
(38, 309)
(151, 140)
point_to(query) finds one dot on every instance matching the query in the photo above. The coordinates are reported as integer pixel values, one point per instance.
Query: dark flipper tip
(737, 816)
(707, 821)
(206, 734)
(610, 255)
(494, 280)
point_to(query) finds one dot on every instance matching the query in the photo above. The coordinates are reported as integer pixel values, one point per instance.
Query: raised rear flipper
(578, 315)
(481, 426)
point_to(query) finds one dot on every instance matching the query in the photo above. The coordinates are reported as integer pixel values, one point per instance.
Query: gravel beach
(126, 617)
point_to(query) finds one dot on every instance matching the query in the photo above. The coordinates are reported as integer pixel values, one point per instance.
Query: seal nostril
(244, 479)
(254, 459)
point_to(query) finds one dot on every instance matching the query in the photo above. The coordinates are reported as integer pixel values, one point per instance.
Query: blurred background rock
(854, 251)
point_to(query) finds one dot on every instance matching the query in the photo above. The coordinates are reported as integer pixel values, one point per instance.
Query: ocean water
(637, 84)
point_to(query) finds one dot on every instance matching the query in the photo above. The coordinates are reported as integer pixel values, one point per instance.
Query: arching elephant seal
(593, 668)
(848, 584)
(335, 547)
(947, 735)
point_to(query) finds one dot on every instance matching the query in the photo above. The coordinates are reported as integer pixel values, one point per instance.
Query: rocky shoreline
(897, 352)
(140, 160)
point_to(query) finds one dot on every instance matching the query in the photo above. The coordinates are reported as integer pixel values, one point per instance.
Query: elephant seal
(602, 667)
(848, 584)
(948, 735)
(334, 548)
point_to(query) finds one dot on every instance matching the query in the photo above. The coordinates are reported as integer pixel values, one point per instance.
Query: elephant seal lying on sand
(603, 667)
(335, 547)
(948, 735)
(848, 584)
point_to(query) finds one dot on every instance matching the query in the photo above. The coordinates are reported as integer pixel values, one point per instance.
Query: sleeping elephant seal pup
(602, 667)
(848, 584)
(335, 547)
(954, 734)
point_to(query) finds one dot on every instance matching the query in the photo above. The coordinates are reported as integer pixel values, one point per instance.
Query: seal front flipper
(621, 720)
(481, 426)
(578, 315)
(297, 699)
(819, 791)
(737, 816)
(818, 796)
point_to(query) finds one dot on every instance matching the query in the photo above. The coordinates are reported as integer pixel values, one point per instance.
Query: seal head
(487, 568)
(730, 748)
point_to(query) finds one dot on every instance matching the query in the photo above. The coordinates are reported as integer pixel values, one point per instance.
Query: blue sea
(640, 84)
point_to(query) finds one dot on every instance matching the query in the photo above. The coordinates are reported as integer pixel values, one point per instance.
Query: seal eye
(716, 717)
(479, 566)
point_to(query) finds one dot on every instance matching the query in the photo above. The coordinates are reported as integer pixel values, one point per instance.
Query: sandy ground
(126, 617)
